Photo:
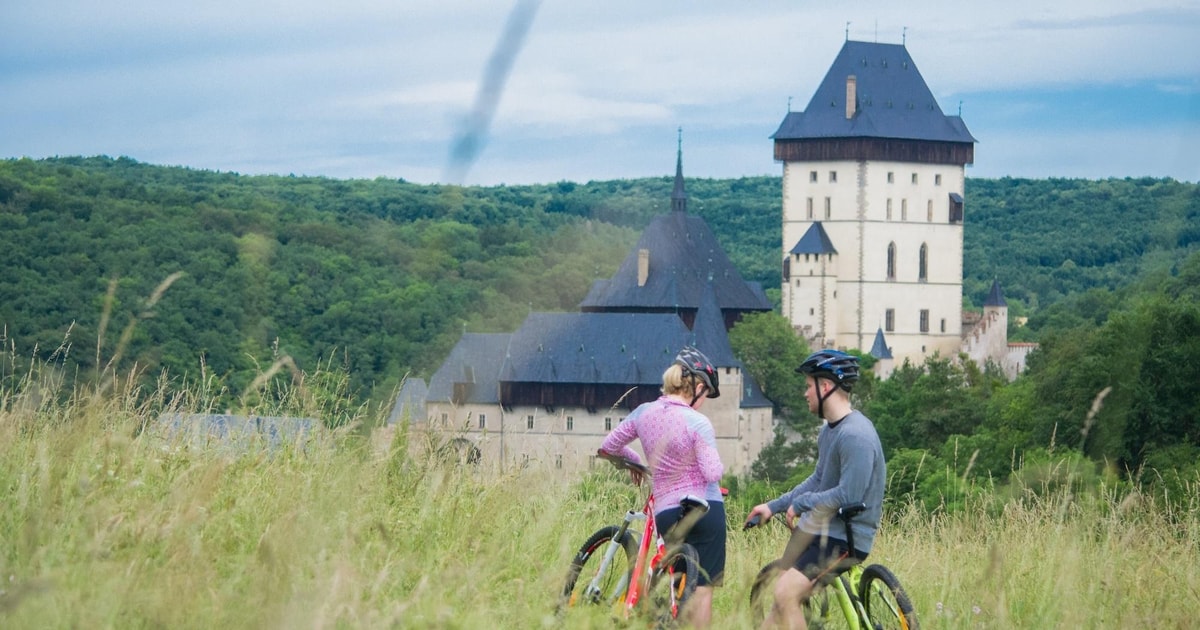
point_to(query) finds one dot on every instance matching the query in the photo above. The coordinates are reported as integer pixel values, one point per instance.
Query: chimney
(643, 266)
(851, 96)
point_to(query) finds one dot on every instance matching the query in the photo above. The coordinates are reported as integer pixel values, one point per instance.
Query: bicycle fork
(593, 592)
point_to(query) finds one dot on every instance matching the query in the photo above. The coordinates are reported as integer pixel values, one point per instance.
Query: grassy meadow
(108, 525)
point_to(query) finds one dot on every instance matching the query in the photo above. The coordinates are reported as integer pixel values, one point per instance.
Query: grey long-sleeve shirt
(850, 469)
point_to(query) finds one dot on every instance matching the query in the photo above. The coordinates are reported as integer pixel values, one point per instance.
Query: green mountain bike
(861, 598)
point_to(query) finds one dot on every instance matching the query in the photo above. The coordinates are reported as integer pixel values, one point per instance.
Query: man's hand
(759, 514)
(790, 517)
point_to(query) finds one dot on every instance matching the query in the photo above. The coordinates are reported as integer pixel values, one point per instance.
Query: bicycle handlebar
(623, 463)
(845, 513)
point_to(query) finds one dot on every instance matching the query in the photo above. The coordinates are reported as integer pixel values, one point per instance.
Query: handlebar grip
(622, 463)
(753, 522)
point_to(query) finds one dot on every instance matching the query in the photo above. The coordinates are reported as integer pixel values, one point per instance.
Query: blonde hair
(676, 382)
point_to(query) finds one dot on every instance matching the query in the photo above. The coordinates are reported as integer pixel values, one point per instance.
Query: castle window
(558, 461)
(832, 177)
(570, 423)
(812, 176)
(914, 178)
(889, 209)
(529, 422)
(891, 177)
(889, 320)
(903, 209)
(924, 320)
(929, 211)
(937, 180)
(608, 424)
(444, 418)
(812, 311)
(923, 263)
(810, 208)
(943, 324)
(482, 421)
(828, 207)
(891, 262)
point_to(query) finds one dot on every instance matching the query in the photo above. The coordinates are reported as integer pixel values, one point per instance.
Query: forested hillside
(382, 276)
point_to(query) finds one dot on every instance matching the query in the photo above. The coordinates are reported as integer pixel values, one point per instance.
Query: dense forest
(112, 264)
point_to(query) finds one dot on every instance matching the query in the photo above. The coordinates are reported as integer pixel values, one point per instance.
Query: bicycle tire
(821, 611)
(622, 566)
(885, 601)
(762, 595)
(670, 589)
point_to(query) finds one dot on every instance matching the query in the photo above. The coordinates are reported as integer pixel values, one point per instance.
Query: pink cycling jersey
(681, 446)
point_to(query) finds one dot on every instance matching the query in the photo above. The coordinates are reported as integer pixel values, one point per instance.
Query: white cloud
(369, 86)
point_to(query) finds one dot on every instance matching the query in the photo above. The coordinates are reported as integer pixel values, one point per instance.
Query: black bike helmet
(694, 362)
(837, 366)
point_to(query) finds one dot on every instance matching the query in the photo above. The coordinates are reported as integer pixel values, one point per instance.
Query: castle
(873, 212)
(550, 392)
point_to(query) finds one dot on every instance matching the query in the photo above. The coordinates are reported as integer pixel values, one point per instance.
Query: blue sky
(367, 88)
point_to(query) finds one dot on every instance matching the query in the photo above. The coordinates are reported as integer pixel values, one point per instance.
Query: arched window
(891, 262)
(923, 263)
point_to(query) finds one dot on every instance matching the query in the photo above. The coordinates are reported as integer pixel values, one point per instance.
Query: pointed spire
(995, 296)
(880, 349)
(678, 196)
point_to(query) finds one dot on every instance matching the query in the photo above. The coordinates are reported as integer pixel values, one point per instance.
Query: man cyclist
(850, 469)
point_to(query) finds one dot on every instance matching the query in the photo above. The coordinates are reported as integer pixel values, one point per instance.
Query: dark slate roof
(814, 241)
(615, 348)
(752, 394)
(709, 334)
(476, 358)
(684, 258)
(995, 296)
(880, 349)
(410, 401)
(893, 101)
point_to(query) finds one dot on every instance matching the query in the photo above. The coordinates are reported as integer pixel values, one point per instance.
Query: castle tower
(810, 286)
(875, 164)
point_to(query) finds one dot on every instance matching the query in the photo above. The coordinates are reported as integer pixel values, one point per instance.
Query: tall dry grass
(107, 525)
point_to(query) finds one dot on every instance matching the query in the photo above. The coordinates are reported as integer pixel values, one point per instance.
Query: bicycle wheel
(599, 584)
(670, 588)
(821, 610)
(762, 592)
(885, 601)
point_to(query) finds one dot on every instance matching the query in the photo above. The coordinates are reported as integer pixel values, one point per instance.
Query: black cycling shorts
(707, 536)
(823, 559)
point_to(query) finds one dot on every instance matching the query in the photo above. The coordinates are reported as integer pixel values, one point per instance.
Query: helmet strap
(703, 390)
(821, 398)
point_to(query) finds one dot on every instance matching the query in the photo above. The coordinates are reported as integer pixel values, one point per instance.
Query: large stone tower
(873, 176)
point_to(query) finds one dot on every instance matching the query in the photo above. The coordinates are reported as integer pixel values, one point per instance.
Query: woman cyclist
(681, 447)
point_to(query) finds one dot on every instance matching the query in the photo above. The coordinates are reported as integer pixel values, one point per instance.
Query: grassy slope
(102, 529)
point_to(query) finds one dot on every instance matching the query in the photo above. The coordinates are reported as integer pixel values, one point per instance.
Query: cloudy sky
(575, 90)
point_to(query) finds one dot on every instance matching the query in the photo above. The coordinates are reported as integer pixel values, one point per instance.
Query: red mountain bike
(615, 567)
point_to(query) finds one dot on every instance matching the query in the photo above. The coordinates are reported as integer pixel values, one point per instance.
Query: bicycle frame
(849, 606)
(654, 559)
(645, 566)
